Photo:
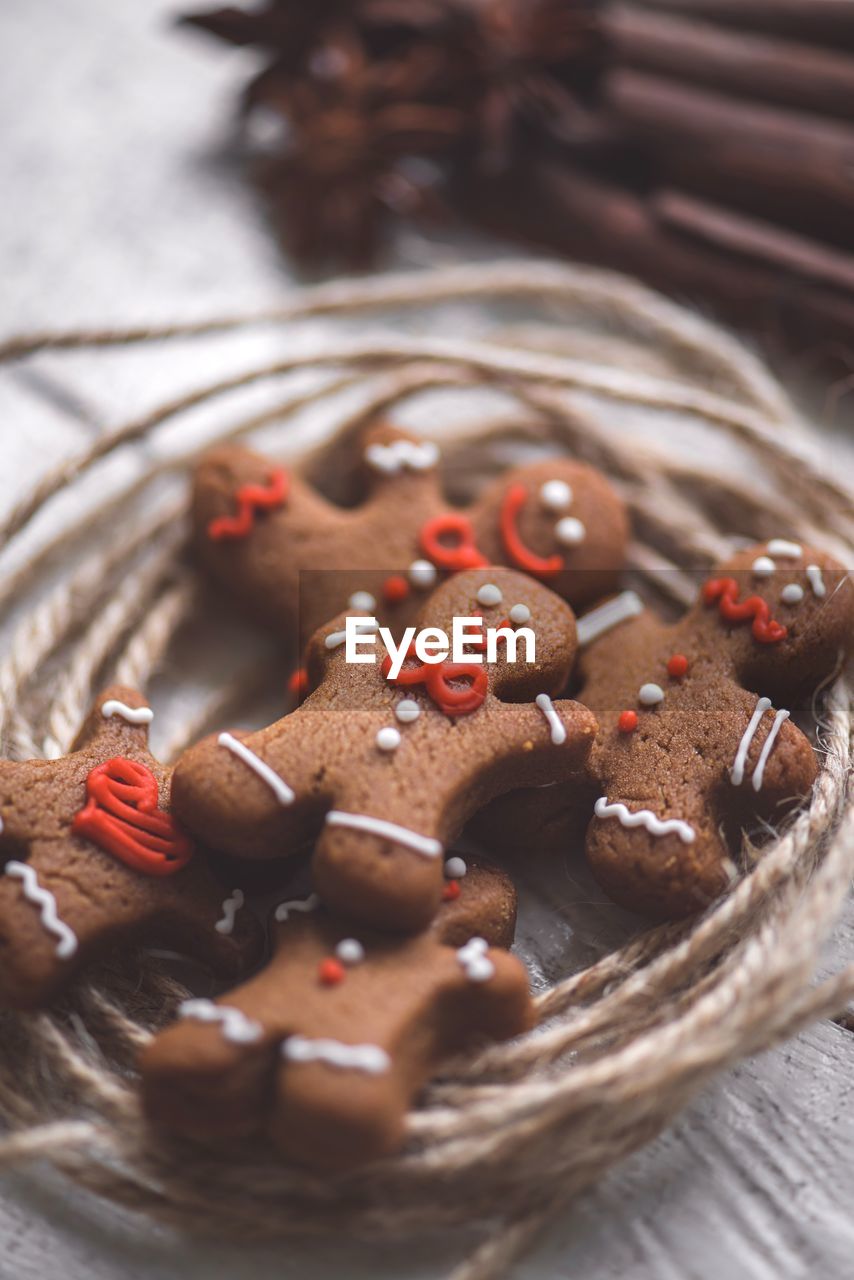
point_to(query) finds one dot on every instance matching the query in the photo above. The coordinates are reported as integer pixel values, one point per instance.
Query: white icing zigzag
(284, 909)
(43, 898)
(356, 1057)
(133, 715)
(401, 454)
(230, 908)
(236, 1027)
(645, 818)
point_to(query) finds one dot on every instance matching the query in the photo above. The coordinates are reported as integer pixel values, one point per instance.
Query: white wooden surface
(120, 202)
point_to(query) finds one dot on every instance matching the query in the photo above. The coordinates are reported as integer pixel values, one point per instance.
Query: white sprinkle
(553, 720)
(236, 1027)
(763, 566)
(570, 532)
(337, 638)
(475, 960)
(388, 739)
(792, 593)
(649, 695)
(489, 594)
(358, 1057)
(609, 615)
(407, 711)
(556, 495)
(133, 715)
(645, 818)
(66, 944)
(277, 785)
(362, 601)
(350, 951)
(230, 908)
(816, 581)
(520, 613)
(455, 868)
(759, 771)
(425, 845)
(787, 550)
(284, 909)
(422, 574)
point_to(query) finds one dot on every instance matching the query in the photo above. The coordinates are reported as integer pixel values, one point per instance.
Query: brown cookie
(328, 1046)
(690, 748)
(384, 772)
(92, 857)
(262, 532)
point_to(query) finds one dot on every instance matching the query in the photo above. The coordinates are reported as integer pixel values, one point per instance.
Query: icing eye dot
(363, 601)
(350, 951)
(520, 613)
(330, 971)
(455, 869)
(792, 593)
(627, 722)
(422, 574)
(407, 711)
(677, 666)
(570, 532)
(649, 695)
(556, 495)
(763, 567)
(388, 739)
(489, 594)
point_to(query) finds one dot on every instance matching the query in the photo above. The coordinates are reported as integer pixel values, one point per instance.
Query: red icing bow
(122, 817)
(436, 678)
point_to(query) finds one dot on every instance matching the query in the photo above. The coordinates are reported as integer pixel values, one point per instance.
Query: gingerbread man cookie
(690, 745)
(262, 532)
(328, 1046)
(384, 770)
(92, 856)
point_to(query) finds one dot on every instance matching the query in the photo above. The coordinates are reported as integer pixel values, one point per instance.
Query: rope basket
(704, 447)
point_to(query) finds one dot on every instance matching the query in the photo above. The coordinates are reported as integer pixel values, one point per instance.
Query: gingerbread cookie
(328, 1046)
(263, 531)
(690, 746)
(92, 856)
(384, 770)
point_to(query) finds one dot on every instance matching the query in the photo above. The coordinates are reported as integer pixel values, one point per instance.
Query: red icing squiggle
(251, 498)
(520, 555)
(462, 554)
(122, 817)
(725, 590)
(436, 678)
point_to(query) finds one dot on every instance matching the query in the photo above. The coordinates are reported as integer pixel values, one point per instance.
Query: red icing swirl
(725, 591)
(251, 498)
(123, 818)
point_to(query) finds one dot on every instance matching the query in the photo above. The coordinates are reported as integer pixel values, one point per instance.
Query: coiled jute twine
(704, 446)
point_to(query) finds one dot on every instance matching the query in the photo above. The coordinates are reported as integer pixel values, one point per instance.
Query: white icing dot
(556, 495)
(763, 566)
(650, 694)
(570, 532)
(388, 739)
(350, 951)
(520, 613)
(489, 594)
(407, 711)
(422, 574)
(363, 601)
(792, 593)
(455, 868)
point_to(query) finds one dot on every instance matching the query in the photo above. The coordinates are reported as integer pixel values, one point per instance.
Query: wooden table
(120, 202)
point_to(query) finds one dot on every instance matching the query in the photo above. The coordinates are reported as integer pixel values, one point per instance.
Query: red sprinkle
(298, 684)
(331, 971)
(395, 589)
(451, 891)
(677, 666)
(628, 721)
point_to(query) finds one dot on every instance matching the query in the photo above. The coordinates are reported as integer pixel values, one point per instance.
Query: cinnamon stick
(821, 21)
(746, 64)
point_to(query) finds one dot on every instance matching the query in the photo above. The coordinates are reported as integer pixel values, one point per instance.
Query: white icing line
(425, 845)
(475, 961)
(544, 703)
(645, 818)
(355, 1057)
(236, 1027)
(816, 581)
(336, 638)
(737, 771)
(598, 621)
(133, 715)
(230, 908)
(284, 909)
(277, 785)
(759, 771)
(66, 938)
(786, 550)
(398, 454)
